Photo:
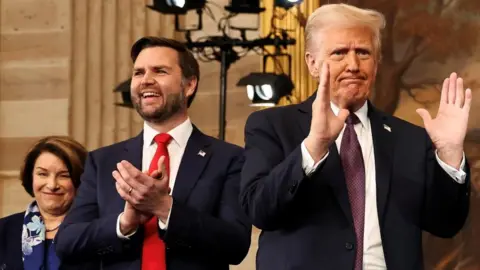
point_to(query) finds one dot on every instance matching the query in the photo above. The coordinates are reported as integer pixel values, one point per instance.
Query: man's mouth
(352, 79)
(149, 94)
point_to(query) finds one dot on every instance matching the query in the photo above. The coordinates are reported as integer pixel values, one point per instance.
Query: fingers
(453, 93)
(323, 93)
(132, 176)
(122, 187)
(459, 95)
(342, 115)
(425, 115)
(164, 178)
(468, 100)
(161, 167)
(452, 88)
(129, 180)
(444, 93)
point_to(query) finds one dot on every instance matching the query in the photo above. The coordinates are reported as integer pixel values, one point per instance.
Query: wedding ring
(130, 190)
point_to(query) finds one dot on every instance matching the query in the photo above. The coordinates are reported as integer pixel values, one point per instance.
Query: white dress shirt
(373, 257)
(180, 135)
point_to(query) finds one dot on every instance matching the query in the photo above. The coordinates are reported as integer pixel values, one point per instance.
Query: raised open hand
(449, 128)
(325, 126)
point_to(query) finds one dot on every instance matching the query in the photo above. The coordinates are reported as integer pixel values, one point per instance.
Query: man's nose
(147, 78)
(352, 62)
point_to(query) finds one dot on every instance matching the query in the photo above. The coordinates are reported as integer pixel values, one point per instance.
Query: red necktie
(153, 253)
(354, 169)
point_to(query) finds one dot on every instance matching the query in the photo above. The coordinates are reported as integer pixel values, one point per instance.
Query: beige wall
(59, 57)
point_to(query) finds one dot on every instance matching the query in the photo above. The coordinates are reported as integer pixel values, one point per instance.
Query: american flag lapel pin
(387, 128)
(201, 153)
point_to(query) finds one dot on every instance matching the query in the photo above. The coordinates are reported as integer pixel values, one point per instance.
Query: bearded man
(168, 197)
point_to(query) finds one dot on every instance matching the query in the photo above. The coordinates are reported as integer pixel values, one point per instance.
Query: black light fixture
(180, 8)
(124, 89)
(266, 89)
(225, 48)
(245, 6)
(176, 6)
(287, 4)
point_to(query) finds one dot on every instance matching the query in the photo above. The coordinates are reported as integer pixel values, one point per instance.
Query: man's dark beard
(173, 104)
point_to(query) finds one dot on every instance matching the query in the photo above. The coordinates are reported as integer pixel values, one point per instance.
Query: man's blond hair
(343, 15)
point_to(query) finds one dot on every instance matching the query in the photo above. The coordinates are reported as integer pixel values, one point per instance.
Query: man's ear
(191, 86)
(312, 64)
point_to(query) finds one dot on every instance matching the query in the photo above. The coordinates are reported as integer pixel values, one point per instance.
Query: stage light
(124, 89)
(245, 6)
(286, 4)
(176, 3)
(266, 89)
(176, 6)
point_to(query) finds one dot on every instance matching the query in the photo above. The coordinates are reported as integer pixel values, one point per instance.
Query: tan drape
(304, 84)
(102, 34)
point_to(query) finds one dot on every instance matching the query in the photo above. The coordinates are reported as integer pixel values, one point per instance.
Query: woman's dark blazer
(11, 246)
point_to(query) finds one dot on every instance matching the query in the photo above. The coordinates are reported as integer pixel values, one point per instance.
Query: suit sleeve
(224, 236)
(84, 235)
(446, 201)
(269, 179)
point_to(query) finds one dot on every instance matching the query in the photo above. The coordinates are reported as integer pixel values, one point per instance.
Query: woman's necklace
(51, 230)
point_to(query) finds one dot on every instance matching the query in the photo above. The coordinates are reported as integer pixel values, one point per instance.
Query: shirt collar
(180, 134)
(361, 113)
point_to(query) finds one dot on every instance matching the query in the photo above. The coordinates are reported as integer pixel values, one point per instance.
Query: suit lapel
(383, 148)
(305, 115)
(133, 154)
(134, 151)
(332, 169)
(195, 158)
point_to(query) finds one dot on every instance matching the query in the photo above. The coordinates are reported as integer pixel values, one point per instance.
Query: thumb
(425, 115)
(340, 121)
(161, 164)
(342, 115)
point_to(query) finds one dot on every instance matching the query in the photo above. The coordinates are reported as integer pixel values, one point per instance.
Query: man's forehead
(156, 56)
(352, 43)
(346, 36)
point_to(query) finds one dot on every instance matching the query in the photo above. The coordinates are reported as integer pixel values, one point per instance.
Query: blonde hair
(346, 16)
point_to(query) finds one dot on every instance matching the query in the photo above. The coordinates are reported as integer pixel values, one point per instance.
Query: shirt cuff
(119, 233)
(164, 226)
(457, 175)
(307, 161)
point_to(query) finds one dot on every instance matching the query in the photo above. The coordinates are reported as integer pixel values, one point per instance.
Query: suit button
(349, 246)
(292, 189)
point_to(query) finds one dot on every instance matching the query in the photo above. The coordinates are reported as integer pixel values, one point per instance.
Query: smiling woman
(51, 175)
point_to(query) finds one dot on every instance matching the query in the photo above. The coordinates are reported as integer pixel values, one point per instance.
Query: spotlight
(286, 4)
(245, 6)
(124, 89)
(266, 89)
(176, 6)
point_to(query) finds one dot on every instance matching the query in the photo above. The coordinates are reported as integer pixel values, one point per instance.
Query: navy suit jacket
(11, 242)
(307, 221)
(207, 229)
(11, 246)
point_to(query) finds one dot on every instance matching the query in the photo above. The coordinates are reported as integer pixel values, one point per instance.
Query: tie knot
(162, 138)
(352, 119)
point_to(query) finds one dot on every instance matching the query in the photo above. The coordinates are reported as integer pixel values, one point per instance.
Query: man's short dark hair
(187, 62)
